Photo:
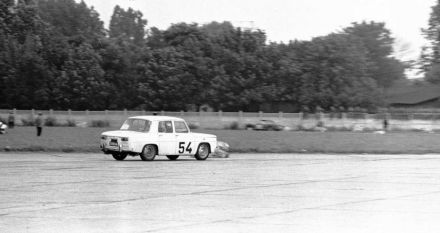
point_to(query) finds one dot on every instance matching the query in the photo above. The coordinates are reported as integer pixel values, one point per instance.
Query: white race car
(148, 136)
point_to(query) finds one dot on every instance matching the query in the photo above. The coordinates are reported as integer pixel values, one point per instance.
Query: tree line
(56, 54)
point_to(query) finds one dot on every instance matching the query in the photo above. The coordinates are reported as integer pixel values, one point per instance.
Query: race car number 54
(182, 148)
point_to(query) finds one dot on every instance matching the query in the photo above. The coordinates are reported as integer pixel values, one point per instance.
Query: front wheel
(202, 151)
(148, 153)
(119, 156)
(172, 157)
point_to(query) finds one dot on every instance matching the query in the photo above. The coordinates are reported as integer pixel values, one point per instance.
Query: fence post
(344, 116)
(87, 117)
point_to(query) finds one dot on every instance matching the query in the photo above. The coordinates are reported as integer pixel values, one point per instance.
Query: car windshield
(138, 125)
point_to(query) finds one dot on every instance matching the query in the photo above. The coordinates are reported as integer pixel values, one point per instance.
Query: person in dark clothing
(385, 123)
(11, 120)
(39, 123)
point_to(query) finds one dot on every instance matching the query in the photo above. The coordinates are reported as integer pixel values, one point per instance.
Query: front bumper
(107, 147)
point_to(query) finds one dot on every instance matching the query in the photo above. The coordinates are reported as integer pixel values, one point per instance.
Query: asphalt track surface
(244, 193)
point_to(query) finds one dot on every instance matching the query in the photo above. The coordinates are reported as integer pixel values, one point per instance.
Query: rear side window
(165, 127)
(181, 127)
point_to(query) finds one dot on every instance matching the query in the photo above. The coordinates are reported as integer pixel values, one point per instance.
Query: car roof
(157, 118)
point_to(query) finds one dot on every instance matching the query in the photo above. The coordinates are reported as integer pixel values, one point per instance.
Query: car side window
(180, 127)
(165, 127)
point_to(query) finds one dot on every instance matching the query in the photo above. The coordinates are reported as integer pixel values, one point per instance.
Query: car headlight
(103, 137)
(124, 139)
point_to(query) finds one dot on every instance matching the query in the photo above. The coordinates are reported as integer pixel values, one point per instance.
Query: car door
(185, 143)
(167, 138)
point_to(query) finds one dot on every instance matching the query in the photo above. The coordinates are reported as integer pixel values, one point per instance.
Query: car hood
(122, 133)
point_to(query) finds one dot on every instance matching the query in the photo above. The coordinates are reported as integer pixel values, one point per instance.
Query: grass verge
(66, 139)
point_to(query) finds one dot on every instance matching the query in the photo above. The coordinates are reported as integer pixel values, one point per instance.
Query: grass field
(66, 139)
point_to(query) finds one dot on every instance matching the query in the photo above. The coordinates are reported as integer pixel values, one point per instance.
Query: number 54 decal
(182, 147)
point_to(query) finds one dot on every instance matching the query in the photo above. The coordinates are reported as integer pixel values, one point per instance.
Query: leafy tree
(334, 72)
(378, 41)
(82, 80)
(6, 8)
(74, 20)
(430, 58)
(167, 83)
(55, 54)
(121, 61)
(24, 71)
(129, 24)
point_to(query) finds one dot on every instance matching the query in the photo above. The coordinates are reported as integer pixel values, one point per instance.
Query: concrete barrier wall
(221, 120)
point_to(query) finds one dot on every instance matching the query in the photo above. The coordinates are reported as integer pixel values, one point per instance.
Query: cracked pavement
(57, 192)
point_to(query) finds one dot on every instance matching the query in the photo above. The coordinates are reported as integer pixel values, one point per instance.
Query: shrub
(320, 124)
(29, 121)
(51, 121)
(99, 123)
(234, 126)
(339, 128)
(193, 125)
(301, 127)
(71, 123)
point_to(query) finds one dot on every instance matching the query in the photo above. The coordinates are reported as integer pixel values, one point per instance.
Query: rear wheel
(148, 152)
(202, 151)
(119, 156)
(172, 157)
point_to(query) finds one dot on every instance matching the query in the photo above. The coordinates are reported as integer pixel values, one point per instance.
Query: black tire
(148, 153)
(172, 157)
(119, 156)
(203, 151)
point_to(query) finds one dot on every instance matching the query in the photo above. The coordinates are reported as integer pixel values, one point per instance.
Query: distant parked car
(265, 125)
(148, 136)
(3, 128)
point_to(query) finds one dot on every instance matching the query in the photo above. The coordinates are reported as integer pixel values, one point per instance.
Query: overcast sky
(285, 20)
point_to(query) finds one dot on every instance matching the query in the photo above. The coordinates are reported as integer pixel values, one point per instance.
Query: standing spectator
(385, 122)
(39, 123)
(11, 120)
